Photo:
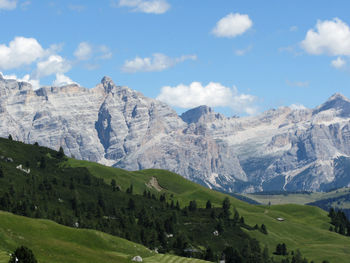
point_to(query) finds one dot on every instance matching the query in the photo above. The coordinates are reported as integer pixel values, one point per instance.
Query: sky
(239, 57)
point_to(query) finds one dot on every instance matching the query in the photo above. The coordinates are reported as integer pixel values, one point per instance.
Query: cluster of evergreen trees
(22, 255)
(339, 221)
(74, 197)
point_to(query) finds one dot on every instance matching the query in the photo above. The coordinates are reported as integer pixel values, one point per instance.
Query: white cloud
(242, 52)
(54, 64)
(25, 51)
(62, 80)
(330, 37)
(34, 82)
(105, 52)
(8, 4)
(84, 51)
(149, 6)
(158, 62)
(232, 25)
(338, 63)
(213, 95)
(20, 51)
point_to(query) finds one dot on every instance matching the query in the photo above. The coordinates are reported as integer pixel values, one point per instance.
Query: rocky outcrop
(280, 149)
(116, 126)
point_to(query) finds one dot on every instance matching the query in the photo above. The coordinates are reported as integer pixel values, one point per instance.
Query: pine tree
(113, 184)
(208, 205)
(131, 204)
(263, 229)
(226, 206)
(236, 216)
(265, 255)
(23, 255)
(209, 254)
(60, 154)
(42, 162)
(193, 205)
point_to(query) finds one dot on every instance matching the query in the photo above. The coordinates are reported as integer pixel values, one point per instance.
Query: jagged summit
(106, 80)
(338, 102)
(201, 113)
(193, 115)
(276, 150)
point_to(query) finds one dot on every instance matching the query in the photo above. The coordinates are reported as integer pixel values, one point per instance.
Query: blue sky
(241, 57)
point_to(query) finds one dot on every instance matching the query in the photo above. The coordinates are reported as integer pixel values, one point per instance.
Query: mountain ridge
(280, 149)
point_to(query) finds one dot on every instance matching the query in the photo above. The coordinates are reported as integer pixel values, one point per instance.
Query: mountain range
(289, 148)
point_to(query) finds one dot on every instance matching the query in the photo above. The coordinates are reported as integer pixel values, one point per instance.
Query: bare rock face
(116, 126)
(283, 149)
(287, 149)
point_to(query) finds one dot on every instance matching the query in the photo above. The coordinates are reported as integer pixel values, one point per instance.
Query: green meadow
(305, 227)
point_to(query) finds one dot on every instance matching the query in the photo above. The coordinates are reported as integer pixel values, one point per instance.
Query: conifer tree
(23, 255)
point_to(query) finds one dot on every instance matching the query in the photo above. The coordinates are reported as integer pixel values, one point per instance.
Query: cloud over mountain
(214, 95)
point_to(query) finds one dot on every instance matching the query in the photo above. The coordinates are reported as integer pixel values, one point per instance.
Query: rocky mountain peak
(107, 83)
(338, 96)
(201, 114)
(193, 115)
(338, 102)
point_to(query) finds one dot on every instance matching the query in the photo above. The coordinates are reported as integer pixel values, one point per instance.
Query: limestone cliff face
(283, 149)
(116, 126)
(286, 149)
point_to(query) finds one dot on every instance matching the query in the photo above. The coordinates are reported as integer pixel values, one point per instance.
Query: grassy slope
(297, 198)
(52, 243)
(305, 227)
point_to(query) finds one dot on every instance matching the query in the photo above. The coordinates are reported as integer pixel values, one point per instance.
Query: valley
(304, 227)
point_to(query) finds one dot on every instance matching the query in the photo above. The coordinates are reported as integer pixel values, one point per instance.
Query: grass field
(304, 228)
(301, 199)
(160, 258)
(54, 243)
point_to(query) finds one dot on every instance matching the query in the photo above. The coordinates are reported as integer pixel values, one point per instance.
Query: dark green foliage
(114, 185)
(74, 197)
(209, 255)
(281, 249)
(232, 255)
(226, 206)
(130, 189)
(60, 153)
(263, 229)
(42, 162)
(22, 255)
(208, 205)
(339, 221)
(236, 215)
(131, 204)
(192, 206)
